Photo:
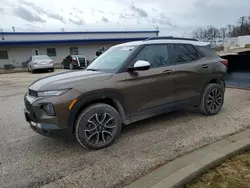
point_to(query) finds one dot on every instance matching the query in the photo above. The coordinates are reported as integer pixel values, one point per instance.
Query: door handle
(167, 71)
(205, 66)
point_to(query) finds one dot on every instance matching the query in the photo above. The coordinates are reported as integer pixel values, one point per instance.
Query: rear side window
(156, 55)
(207, 51)
(185, 53)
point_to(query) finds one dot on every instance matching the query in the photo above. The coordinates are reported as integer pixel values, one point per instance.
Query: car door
(189, 71)
(150, 91)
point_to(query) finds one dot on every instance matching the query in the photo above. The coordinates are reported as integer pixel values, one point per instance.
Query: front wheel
(212, 99)
(97, 126)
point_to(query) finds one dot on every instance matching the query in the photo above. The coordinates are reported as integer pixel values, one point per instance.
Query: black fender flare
(86, 99)
(209, 78)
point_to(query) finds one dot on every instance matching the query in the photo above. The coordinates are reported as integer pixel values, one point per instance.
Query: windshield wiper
(93, 69)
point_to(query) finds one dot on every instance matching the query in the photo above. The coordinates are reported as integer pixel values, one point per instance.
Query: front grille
(27, 104)
(82, 62)
(33, 93)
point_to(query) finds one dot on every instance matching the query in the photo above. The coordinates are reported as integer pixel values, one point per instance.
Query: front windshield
(112, 59)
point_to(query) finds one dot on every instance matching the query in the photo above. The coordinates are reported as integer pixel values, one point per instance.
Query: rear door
(149, 91)
(189, 72)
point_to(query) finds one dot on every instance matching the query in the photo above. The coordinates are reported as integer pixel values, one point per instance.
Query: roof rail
(169, 38)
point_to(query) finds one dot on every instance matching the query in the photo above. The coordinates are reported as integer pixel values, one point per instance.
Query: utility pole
(242, 22)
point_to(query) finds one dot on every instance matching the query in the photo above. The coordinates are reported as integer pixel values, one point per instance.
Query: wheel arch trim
(85, 100)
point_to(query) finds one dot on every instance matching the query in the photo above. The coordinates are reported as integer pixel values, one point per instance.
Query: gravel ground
(31, 160)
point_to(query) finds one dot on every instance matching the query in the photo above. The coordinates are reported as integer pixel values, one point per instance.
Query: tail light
(74, 61)
(224, 62)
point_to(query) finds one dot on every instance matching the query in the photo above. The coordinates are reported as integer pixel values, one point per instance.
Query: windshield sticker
(128, 48)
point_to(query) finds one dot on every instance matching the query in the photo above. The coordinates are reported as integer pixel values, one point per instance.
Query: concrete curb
(195, 163)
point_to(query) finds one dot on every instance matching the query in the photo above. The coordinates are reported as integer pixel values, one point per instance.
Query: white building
(17, 47)
(236, 42)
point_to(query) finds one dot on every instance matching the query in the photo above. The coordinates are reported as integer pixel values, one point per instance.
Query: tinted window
(156, 55)
(51, 52)
(207, 51)
(3, 54)
(185, 53)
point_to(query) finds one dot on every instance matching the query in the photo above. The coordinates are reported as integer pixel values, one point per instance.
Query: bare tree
(223, 32)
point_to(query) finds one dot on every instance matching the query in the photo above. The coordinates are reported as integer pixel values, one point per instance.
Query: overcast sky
(173, 17)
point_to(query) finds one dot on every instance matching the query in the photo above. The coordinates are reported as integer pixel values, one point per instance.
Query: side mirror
(140, 65)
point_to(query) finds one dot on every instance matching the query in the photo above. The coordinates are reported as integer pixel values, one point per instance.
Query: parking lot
(31, 160)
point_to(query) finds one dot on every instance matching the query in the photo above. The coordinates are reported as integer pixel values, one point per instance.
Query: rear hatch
(82, 61)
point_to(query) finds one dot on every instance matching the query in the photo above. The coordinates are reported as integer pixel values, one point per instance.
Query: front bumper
(46, 129)
(45, 124)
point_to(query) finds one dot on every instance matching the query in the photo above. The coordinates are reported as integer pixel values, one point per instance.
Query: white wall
(19, 54)
(230, 43)
(243, 40)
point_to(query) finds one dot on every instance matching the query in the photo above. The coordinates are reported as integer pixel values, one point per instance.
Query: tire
(32, 71)
(212, 99)
(93, 131)
(71, 67)
(62, 66)
(52, 70)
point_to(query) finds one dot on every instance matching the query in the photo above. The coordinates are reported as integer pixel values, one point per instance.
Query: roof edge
(4, 43)
(76, 32)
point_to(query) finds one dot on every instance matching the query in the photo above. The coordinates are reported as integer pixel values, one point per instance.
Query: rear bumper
(43, 66)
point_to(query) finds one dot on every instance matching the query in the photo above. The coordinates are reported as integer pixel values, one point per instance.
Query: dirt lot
(31, 160)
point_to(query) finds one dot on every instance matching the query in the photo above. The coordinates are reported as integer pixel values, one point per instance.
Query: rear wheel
(212, 99)
(31, 70)
(98, 126)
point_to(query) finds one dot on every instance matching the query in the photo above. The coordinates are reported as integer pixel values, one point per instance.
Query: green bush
(247, 46)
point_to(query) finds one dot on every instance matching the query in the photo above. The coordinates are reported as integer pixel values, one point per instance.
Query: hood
(68, 80)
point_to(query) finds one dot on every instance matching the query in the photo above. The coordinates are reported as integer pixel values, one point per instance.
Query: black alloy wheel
(97, 126)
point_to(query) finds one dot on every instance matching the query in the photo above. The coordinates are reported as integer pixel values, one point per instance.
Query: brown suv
(127, 83)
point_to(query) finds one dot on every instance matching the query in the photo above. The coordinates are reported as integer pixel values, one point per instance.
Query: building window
(73, 50)
(4, 54)
(51, 52)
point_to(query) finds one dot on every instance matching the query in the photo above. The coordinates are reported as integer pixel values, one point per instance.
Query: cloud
(140, 12)
(78, 22)
(105, 20)
(55, 16)
(1, 10)
(25, 14)
(78, 10)
(40, 11)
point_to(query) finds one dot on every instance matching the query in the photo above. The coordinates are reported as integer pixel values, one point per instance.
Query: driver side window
(157, 55)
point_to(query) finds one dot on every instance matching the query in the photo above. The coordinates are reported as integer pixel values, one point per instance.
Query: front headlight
(51, 93)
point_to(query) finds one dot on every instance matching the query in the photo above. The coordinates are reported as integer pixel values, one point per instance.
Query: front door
(150, 91)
